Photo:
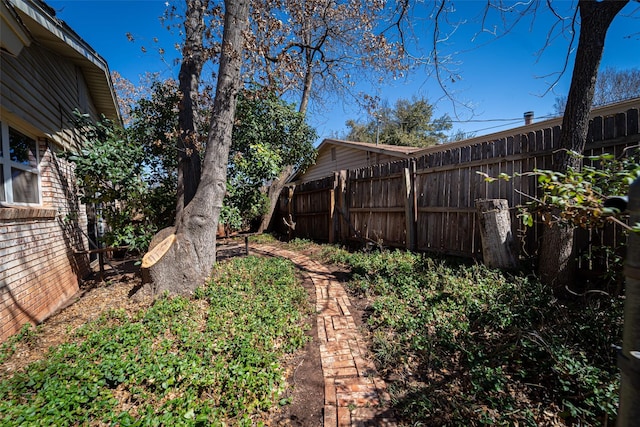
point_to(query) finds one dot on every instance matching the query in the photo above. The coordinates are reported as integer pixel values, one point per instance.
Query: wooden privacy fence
(428, 203)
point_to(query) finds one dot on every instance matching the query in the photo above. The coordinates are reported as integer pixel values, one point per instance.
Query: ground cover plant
(210, 360)
(465, 345)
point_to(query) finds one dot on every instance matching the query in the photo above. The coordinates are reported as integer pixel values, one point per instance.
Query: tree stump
(499, 248)
(156, 251)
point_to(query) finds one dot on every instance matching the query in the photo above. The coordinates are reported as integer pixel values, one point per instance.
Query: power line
(516, 119)
(507, 122)
(492, 127)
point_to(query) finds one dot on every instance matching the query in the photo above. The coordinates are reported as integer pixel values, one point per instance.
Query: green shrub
(109, 169)
(264, 238)
(474, 346)
(300, 244)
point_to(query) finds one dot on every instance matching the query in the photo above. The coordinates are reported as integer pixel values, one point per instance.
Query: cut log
(160, 236)
(498, 244)
(155, 253)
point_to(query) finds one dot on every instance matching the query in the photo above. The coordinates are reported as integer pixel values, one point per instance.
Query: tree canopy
(613, 85)
(304, 50)
(409, 122)
(268, 135)
(320, 46)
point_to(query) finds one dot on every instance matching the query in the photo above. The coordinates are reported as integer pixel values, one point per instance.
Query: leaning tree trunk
(193, 58)
(190, 259)
(273, 192)
(556, 264)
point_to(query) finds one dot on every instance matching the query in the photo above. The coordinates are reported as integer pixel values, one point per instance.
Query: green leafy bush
(579, 195)
(109, 171)
(468, 346)
(268, 135)
(577, 198)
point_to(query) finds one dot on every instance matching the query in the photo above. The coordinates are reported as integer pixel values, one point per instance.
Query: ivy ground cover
(209, 360)
(464, 345)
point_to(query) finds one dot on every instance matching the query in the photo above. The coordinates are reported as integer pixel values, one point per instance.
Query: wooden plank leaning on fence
(409, 175)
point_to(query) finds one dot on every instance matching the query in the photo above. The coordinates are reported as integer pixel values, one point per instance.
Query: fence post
(332, 208)
(290, 224)
(343, 207)
(629, 358)
(498, 244)
(409, 205)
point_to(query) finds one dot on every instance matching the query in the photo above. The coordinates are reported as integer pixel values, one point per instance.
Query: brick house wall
(39, 267)
(46, 72)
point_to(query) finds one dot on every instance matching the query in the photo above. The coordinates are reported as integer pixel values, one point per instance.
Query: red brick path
(353, 393)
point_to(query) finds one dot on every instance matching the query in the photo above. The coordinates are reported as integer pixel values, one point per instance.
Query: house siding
(39, 265)
(345, 158)
(45, 97)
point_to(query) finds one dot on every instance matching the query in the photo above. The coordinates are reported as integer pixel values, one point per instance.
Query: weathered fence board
(428, 203)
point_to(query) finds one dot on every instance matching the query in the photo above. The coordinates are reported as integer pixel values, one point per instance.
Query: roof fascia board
(55, 27)
(14, 34)
(372, 148)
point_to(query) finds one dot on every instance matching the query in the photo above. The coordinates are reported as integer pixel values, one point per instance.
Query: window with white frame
(19, 167)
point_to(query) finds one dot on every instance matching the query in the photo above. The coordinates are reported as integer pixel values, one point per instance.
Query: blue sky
(501, 79)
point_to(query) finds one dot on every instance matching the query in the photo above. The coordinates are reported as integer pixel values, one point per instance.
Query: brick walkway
(353, 393)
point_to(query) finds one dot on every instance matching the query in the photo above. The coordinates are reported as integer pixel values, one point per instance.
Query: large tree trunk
(190, 259)
(193, 58)
(556, 261)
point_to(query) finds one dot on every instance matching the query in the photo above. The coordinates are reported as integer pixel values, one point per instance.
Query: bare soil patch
(304, 375)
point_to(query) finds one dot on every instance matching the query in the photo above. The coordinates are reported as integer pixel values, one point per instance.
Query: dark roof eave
(56, 35)
(392, 150)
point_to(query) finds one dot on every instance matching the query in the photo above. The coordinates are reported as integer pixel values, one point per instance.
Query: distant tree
(613, 85)
(460, 135)
(559, 105)
(409, 122)
(363, 132)
(127, 94)
(616, 85)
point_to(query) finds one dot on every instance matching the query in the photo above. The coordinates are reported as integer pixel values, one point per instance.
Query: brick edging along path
(353, 393)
